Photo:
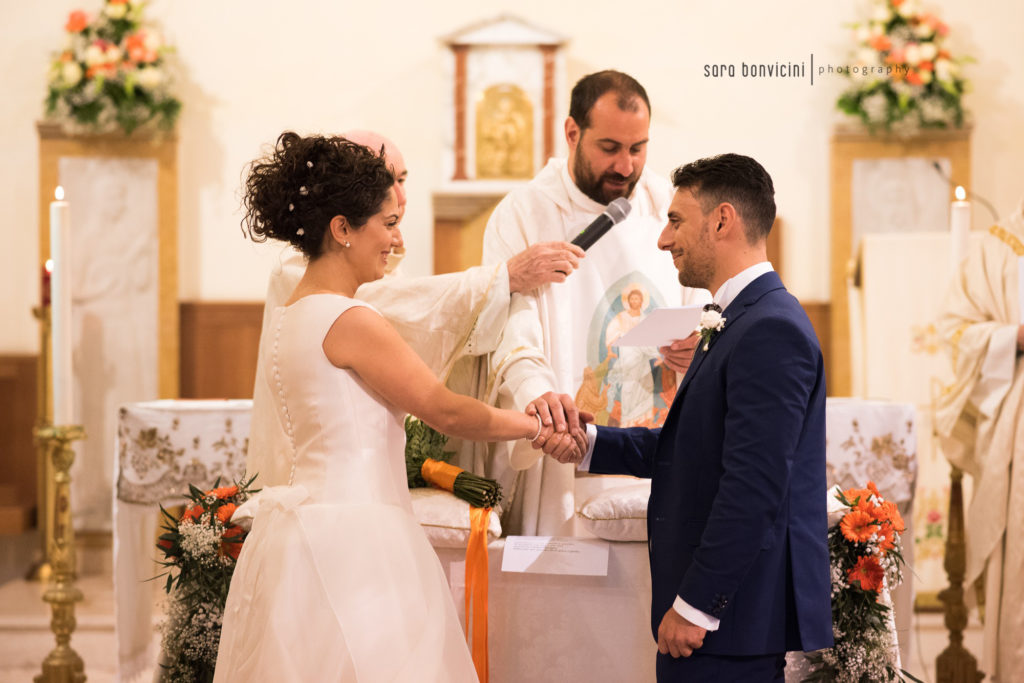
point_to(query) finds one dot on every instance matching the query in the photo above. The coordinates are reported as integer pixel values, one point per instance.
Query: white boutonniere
(711, 323)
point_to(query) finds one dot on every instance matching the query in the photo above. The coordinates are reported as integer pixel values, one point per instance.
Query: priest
(559, 339)
(980, 421)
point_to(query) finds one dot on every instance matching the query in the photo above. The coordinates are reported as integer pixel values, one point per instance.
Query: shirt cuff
(695, 616)
(584, 465)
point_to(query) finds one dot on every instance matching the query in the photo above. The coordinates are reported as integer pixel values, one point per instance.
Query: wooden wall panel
(18, 461)
(820, 313)
(219, 344)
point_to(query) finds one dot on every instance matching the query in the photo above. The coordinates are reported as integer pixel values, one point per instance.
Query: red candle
(45, 288)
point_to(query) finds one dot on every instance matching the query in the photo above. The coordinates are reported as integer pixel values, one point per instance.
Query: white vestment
(555, 338)
(979, 420)
(449, 320)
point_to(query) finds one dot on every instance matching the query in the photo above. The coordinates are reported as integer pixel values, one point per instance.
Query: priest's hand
(677, 636)
(542, 263)
(678, 355)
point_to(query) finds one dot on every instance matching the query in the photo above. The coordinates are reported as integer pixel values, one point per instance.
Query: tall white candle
(60, 308)
(959, 227)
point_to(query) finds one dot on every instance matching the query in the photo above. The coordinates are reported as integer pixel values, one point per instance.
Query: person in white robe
(450, 320)
(554, 338)
(980, 421)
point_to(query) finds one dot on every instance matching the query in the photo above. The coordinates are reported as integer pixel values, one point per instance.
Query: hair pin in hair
(291, 207)
(300, 232)
(309, 164)
(303, 191)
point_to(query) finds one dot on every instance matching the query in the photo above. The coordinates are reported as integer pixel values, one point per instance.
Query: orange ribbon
(476, 589)
(440, 474)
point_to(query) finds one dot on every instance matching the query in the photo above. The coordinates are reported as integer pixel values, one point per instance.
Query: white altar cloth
(161, 448)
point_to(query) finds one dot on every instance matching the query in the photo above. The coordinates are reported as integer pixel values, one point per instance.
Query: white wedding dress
(336, 580)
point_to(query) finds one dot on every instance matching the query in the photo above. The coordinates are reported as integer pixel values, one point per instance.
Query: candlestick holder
(63, 664)
(40, 569)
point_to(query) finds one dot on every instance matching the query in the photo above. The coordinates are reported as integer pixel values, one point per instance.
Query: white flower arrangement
(111, 73)
(919, 83)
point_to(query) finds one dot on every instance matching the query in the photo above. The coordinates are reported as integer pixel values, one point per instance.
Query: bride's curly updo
(293, 193)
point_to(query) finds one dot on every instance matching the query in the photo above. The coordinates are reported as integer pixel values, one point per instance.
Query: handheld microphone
(613, 213)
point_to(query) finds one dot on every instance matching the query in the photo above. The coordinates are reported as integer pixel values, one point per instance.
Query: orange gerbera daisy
(886, 537)
(193, 512)
(889, 512)
(223, 492)
(857, 526)
(874, 489)
(225, 511)
(868, 573)
(231, 547)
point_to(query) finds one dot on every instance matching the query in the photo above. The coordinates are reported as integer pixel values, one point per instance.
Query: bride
(336, 580)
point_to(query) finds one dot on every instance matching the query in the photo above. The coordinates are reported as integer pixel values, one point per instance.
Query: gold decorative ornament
(504, 133)
(63, 664)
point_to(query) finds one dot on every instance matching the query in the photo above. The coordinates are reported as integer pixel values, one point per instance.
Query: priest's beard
(592, 184)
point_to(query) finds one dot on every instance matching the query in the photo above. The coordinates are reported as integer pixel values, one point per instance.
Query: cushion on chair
(618, 514)
(445, 518)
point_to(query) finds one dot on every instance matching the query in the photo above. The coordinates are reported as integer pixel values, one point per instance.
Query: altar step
(26, 639)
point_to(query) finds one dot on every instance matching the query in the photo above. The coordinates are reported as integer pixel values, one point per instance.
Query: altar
(542, 627)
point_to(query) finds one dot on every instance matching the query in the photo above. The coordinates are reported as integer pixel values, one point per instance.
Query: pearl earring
(348, 244)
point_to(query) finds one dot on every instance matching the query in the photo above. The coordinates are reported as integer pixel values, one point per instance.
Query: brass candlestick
(62, 665)
(40, 569)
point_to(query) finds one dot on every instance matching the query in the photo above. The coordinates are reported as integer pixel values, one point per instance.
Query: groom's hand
(677, 636)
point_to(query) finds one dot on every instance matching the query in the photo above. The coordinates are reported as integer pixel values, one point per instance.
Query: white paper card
(1020, 287)
(555, 555)
(662, 326)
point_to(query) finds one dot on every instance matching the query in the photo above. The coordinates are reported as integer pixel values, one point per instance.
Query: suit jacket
(736, 521)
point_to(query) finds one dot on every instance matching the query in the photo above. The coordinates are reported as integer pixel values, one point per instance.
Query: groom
(736, 519)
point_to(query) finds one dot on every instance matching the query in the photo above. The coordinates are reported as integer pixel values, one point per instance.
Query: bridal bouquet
(426, 462)
(905, 78)
(111, 73)
(866, 562)
(200, 550)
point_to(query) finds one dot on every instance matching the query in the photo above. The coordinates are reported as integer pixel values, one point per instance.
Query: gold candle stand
(40, 569)
(63, 664)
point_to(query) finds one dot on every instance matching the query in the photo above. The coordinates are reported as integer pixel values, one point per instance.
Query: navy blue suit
(736, 521)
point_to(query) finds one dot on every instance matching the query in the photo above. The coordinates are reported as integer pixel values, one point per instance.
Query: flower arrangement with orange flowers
(199, 550)
(866, 563)
(111, 73)
(905, 79)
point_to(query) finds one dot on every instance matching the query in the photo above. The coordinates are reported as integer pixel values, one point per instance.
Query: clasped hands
(563, 433)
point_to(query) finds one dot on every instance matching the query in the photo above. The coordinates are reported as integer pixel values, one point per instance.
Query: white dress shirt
(725, 295)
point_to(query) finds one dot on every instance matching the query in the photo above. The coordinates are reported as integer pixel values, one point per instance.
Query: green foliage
(423, 442)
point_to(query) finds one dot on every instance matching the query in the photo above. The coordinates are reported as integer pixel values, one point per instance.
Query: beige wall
(250, 69)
